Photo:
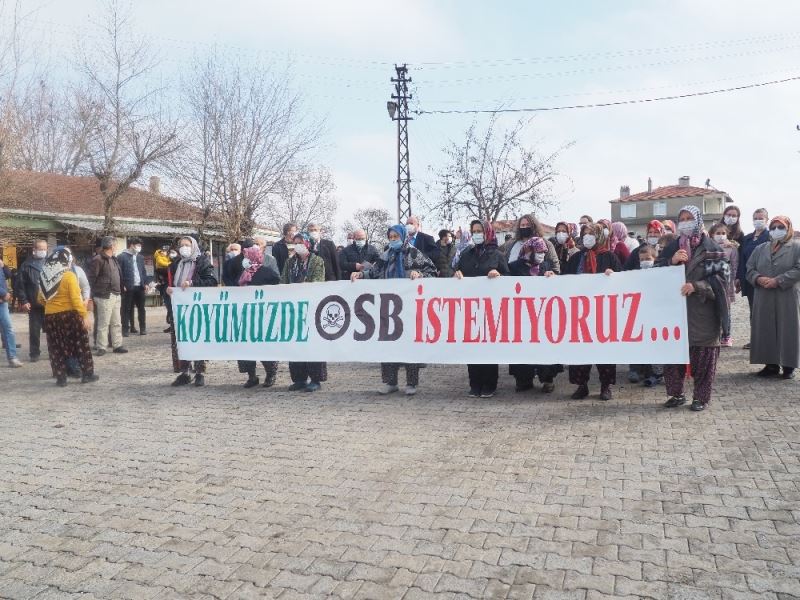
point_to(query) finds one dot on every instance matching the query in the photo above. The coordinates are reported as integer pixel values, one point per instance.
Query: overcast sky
(475, 54)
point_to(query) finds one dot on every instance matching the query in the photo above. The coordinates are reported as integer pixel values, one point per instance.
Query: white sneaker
(411, 390)
(14, 363)
(388, 389)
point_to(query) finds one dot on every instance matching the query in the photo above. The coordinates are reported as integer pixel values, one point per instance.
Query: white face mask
(246, 263)
(173, 254)
(759, 224)
(605, 232)
(314, 235)
(477, 238)
(361, 243)
(185, 251)
(653, 241)
(646, 264)
(411, 229)
(539, 257)
(137, 249)
(721, 238)
(40, 253)
(562, 236)
(686, 228)
(730, 220)
(589, 241)
(301, 250)
(777, 234)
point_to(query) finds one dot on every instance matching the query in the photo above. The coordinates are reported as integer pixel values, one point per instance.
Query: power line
(607, 104)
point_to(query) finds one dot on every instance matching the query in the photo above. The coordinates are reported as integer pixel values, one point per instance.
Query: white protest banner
(631, 317)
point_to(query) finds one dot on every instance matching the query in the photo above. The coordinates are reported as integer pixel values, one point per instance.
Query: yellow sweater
(68, 297)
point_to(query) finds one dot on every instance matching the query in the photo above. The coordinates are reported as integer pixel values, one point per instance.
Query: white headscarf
(185, 270)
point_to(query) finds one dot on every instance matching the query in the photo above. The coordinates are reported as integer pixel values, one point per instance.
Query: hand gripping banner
(631, 317)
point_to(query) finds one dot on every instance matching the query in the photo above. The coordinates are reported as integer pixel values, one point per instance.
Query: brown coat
(703, 317)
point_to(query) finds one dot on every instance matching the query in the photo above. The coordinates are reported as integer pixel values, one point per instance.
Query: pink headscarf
(619, 233)
(535, 245)
(256, 258)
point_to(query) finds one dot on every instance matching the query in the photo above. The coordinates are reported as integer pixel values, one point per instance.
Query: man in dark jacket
(134, 276)
(355, 255)
(326, 250)
(26, 289)
(229, 267)
(105, 279)
(421, 241)
(447, 252)
(280, 250)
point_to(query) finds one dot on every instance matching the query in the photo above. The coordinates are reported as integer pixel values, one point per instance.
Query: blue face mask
(395, 244)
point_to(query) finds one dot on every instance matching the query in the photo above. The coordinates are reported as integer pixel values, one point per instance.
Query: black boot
(580, 392)
(252, 381)
(769, 371)
(182, 379)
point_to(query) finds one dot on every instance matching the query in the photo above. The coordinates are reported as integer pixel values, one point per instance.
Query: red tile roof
(669, 191)
(69, 195)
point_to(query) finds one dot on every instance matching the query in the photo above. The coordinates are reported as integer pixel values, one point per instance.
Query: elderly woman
(304, 267)
(774, 272)
(707, 271)
(400, 261)
(65, 317)
(191, 269)
(533, 262)
(564, 243)
(595, 257)
(259, 269)
(482, 259)
(528, 227)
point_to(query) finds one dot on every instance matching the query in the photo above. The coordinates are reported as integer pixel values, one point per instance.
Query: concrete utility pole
(398, 111)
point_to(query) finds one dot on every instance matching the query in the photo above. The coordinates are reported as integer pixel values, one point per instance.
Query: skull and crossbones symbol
(333, 318)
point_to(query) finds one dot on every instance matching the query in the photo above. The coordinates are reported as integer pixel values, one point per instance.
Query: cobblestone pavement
(129, 488)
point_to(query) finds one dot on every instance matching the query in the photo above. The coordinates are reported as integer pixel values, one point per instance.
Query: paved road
(129, 488)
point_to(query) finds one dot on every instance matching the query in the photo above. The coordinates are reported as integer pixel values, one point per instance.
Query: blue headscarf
(395, 257)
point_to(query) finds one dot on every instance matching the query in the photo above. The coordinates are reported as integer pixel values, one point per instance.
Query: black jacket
(444, 261)
(605, 261)
(427, 245)
(105, 276)
(352, 254)
(280, 251)
(265, 276)
(203, 275)
(231, 270)
(326, 250)
(127, 263)
(522, 268)
(473, 264)
(26, 287)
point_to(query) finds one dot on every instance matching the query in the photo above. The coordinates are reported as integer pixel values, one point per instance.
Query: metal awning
(139, 228)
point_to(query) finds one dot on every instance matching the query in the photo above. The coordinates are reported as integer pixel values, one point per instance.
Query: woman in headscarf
(564, 243)
(303, 266)
(66, 321)
(774, 271)
(483, 259)
(655, 230)
(191, 269)
(400, 261)
(526, 228)
(619, 235)
(259, 269)
(533, 262)
(669, 227)
(594, 257)
(707, 270)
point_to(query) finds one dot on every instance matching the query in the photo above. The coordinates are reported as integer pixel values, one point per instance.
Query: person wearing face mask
(105, 279)
(482, 259)
(750, 242)
(358, 255)
(447, 252)
(533, 262)
(66, 317)
(191, 269)
(563, 243)
(622, 244)
(721, 235)
(228, 270)
(399, 261)
(669, 227)
(773, 269)
(326, 250)
(649, 375)
(708, 316)
(655, 230)
(303, 266)
(26, 289)
(528, 227)
(732, 218)
(280, 250)
(595, 257)
(134, 280)
(421, 240)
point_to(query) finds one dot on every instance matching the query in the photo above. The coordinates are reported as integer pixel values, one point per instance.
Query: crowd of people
(720, 263)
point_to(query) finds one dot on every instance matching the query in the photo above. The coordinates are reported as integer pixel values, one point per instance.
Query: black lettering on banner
(332, 317)
(391, 306)
(365, 318)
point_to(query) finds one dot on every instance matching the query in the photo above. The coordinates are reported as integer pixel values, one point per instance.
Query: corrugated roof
(139, 228)
(670, 191)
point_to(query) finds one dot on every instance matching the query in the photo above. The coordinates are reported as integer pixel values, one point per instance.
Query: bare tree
(129, 133)
(245, 137)
(374, 221)
(493, 173)
(305, 195)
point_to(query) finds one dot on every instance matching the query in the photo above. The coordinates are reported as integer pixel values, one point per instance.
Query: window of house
(659, 209)
(627, 211)
(713, 205)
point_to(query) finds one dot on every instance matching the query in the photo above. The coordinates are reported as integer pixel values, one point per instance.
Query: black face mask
(526, 232)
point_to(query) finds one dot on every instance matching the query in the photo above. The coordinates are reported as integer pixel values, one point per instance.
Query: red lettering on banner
(562, 320)
(470, 318)
(435, 323)
(451, 304)
(600, 317)
(627, 335)
(493, 326)
(578, 319)
(534, 317)
(420, 302)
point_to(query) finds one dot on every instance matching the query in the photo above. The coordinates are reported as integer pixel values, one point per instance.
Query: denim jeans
(7, 331)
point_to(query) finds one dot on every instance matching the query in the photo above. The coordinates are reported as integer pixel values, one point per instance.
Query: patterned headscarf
(619, 233)
(534, 245)
(688, 243)
(55, 265)
(657, 225)
(394, 263)
(256, 258)
(570, 227)
(671, 224)
(589, 259)
(489, 236)
(185, 270)
(603, 239)
(786, 222)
